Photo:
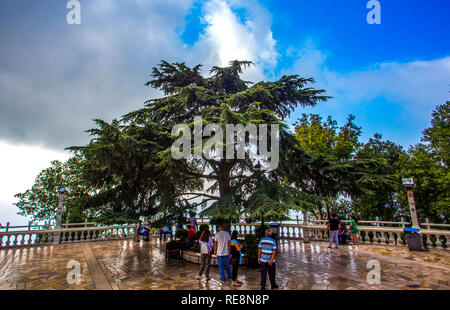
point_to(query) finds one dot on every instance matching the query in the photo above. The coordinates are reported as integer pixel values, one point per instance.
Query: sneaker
(330, 247)
(198, 277)
(275, 286)
(236, 284)
(207, 278)
(336, 247)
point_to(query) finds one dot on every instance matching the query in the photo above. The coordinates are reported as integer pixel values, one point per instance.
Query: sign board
(408, 181)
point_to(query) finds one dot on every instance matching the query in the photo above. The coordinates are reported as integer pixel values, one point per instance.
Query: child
(236, 258)
(354, 229)
(343, 234)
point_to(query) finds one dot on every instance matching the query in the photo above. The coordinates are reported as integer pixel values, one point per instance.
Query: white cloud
(228, 38)
(19, 166)
(417, 86)
(51, 90)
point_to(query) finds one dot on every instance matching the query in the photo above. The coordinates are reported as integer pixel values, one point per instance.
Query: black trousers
(206, 262)
(265, 268)
(234, 271)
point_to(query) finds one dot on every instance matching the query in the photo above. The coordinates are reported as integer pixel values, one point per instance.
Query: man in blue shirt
(266, 257)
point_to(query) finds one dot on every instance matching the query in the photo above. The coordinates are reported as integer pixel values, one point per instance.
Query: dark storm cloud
(55, 78)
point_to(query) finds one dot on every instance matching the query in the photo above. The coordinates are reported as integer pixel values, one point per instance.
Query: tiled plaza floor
(127, 264)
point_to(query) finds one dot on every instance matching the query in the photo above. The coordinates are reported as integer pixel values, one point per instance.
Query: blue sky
(55, 77)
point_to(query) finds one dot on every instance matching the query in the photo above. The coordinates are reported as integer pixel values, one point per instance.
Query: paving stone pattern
(131, 265)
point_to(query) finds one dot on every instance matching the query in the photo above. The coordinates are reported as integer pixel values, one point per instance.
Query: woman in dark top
(236, 257)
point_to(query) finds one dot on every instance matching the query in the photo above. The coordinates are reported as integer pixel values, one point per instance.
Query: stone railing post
(305, 230)
(403, 221)
(85, 222)
(428, 224)
(377, 219)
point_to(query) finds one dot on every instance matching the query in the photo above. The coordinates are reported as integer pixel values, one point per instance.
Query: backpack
(204, 249)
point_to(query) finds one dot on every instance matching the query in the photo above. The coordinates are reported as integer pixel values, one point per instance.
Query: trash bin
(414, 239)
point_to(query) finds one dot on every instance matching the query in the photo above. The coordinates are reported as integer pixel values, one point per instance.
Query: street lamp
(409, 185)
(61, 192)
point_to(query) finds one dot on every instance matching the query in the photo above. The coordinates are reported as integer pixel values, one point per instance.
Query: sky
(55, 77)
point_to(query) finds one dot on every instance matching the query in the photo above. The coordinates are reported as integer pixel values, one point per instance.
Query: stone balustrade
(66, 235)
(367, 235)
(301, 231)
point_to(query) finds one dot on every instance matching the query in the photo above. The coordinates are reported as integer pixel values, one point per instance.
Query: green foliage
(251, 246)
(380, 195)
(323, 138)
(129, 161)
(41, 201)
(438, 135)
(181, 234)
(260, 230)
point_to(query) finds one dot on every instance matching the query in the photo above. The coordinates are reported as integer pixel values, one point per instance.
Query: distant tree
(437, 137)
(130, 161)
(41, 200)
(330, 147)
(427, 164)
(380, 199)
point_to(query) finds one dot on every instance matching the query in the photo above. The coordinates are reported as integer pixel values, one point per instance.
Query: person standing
(222, 250)
(144, 230)
(267, 250)
(354, 229)
(333, 226)
(193, 221)
(236, 258)
(191, 236)
(167, 230)
(206, 247)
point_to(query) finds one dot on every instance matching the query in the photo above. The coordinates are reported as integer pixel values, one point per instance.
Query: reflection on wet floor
(127, 264)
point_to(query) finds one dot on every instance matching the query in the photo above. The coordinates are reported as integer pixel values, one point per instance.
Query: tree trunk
(327, 209)
(224, 189)
(319, 214)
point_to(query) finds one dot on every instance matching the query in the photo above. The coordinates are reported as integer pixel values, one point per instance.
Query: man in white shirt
(222, 249)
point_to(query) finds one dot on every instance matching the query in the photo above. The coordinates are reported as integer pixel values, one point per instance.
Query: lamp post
(57, 235)
(62, 192)
(409, 185)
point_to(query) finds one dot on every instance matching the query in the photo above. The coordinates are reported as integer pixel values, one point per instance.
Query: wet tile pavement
(130, 265)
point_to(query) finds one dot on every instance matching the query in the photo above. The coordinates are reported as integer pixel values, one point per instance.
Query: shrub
(181, 234)
(260, 230)
(251, 246)
(172, 245)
